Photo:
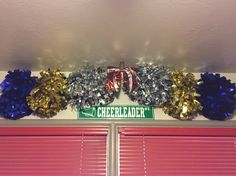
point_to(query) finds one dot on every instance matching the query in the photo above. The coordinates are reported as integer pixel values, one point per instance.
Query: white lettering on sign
(142, 112)
(112, 111)
(121, 112)
(99, 112)
(125, 112)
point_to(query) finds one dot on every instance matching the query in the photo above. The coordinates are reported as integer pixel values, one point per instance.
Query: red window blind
(177, 151)
(55, 151)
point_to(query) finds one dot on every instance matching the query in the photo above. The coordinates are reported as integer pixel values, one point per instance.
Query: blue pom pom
(18, 83)
(15, 88)
(217, 96)
(13, 107)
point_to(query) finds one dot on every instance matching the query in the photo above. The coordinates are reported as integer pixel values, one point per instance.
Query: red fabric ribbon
(118, 75)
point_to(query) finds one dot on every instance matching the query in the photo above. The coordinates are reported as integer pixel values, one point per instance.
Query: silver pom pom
(153, 85)
(87, 88)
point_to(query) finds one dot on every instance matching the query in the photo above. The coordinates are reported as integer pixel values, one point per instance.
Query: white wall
(198, 34)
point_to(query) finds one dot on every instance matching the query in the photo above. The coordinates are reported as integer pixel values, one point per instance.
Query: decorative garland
(217, 96)
(49, 96)
(87, 88)
(180, 96)
(15, 88)
(154, 85)
(182, 103)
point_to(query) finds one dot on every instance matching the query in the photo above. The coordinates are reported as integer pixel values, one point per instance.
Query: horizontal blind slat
(168, 131)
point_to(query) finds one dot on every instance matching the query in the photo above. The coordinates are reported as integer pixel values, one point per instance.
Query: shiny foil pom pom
(217, 96)
(153, 85)
(13, 108)
(18, 83)
(49, 96)
(14, 89)
(183, 104)
(87, 88)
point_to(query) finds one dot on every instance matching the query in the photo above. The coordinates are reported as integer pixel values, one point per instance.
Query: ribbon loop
(121, 77)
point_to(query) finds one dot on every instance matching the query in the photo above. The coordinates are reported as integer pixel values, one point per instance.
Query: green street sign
(117, 112)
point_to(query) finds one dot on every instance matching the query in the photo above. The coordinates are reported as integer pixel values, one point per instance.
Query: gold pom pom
(182, 103)
(49, 96)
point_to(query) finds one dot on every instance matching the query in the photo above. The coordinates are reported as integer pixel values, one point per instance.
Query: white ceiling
(196, 34)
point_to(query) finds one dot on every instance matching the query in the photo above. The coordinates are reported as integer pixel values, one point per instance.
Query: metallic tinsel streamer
(49, 96)
(217, 96)
(182, 103)
(87, 87)
(153, 85)
(14, 89)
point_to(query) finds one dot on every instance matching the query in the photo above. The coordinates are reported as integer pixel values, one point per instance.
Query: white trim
(107, 123)
(118, 154)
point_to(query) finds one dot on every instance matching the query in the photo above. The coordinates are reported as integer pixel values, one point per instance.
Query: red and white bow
(116, 76)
